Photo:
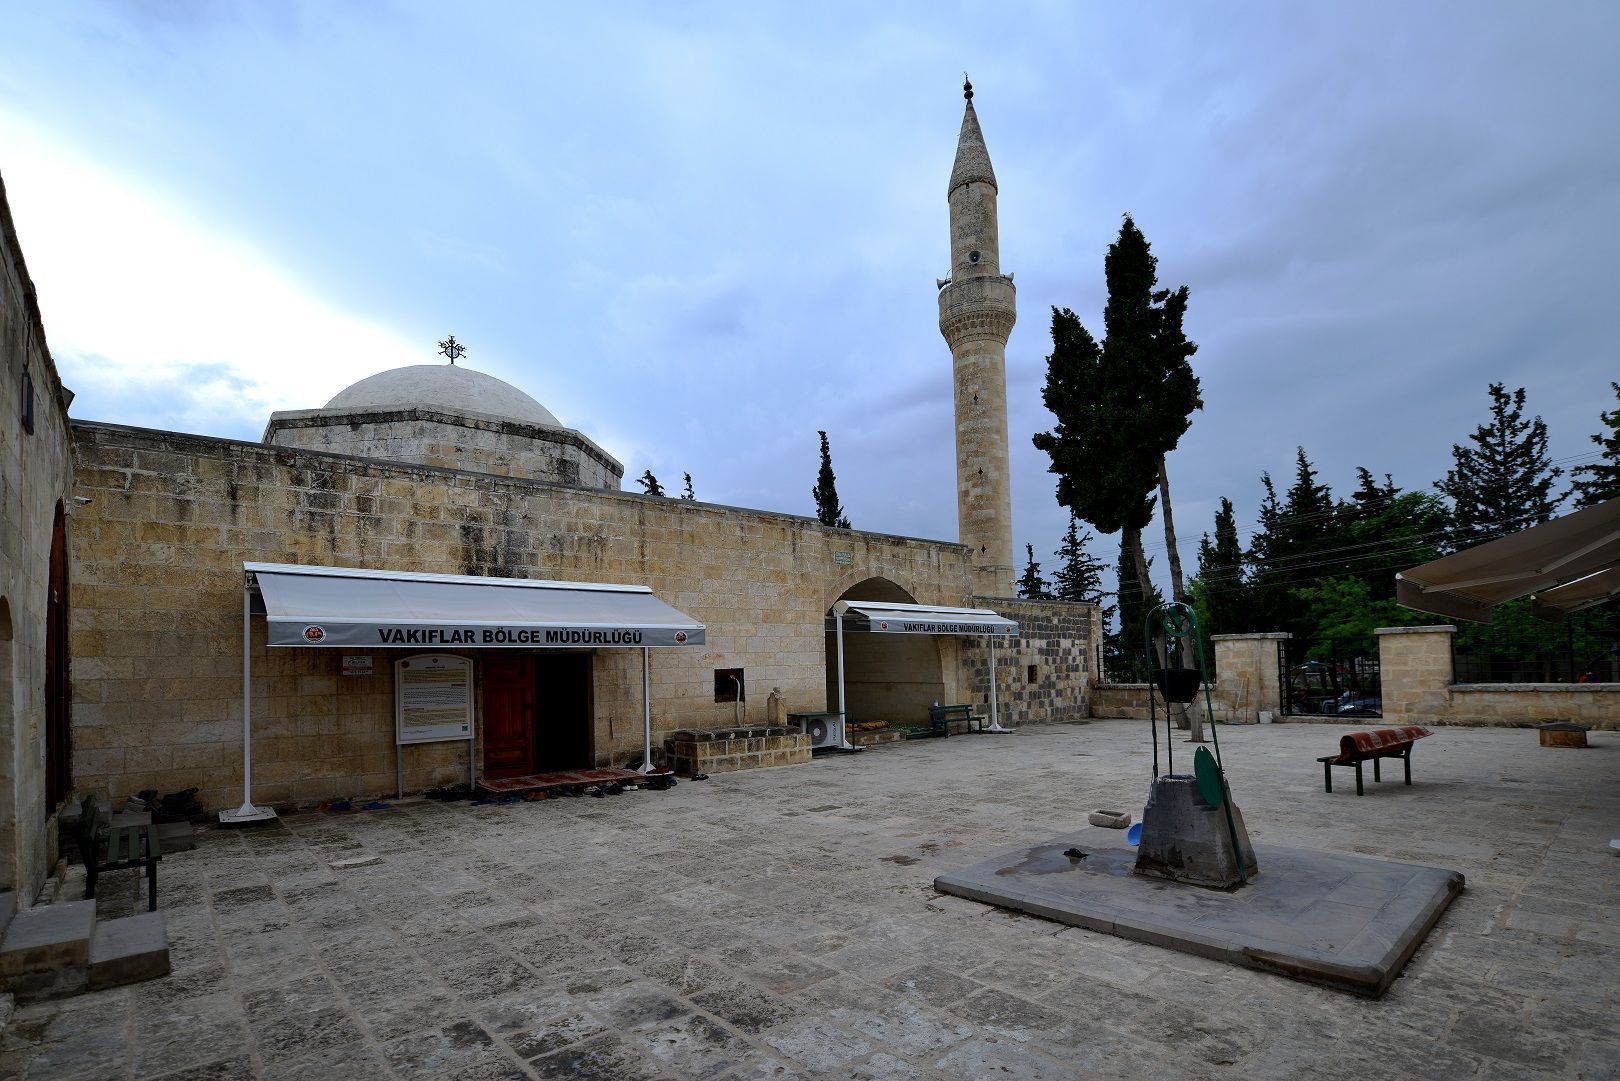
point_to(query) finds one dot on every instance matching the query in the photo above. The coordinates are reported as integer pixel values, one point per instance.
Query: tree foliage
(828, 511)
(1503, 483)
(1031, 586)
(1121, 406)
(1079, 574)
(688, 493)
(1599, 482)
(649, 484)
(1220, 592)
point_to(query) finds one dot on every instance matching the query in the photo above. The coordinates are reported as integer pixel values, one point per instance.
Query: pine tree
(1601, 481)
(688, 493)
(828, 512)
(649, 484)
(1503, 483)
(1032, 586)
(1079, 573)
(1220, 587)
(1124, 405)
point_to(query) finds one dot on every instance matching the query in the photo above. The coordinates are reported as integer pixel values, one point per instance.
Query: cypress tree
(828, 512)
(688, 493)
(649, 484)
(1032, 586)
(1503, 483)
(1122, 406)
(1599, 482)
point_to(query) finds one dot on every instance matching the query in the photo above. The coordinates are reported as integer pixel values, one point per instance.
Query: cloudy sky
(698, 233)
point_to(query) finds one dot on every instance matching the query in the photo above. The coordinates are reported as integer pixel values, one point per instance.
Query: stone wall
(1248, 678)
(1054, 646)
(1415, 663)
(493, 445)
(1127, 700)
(35, 479)
(158, 594)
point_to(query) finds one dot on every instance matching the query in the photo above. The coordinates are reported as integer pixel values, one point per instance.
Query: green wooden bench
(115, 848)
(940, 717)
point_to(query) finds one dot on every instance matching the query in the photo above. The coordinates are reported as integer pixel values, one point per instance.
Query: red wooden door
(508, 683)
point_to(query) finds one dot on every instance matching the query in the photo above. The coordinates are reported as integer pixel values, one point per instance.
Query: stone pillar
(1248, 678)
(1414, 665)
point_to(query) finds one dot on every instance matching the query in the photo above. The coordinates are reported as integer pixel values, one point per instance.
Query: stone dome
(446, 388)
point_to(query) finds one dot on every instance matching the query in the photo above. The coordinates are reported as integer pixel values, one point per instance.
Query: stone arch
(890, 677)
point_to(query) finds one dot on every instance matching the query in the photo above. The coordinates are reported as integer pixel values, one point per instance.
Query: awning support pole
(838, 618)
(247, 812)
(646, 716)
(995, 717)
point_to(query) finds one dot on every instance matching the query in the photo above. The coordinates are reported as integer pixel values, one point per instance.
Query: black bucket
(1179, 685)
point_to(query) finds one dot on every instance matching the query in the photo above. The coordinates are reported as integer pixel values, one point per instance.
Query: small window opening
(1034, 673)
(973, 258)
(28, 401)
(729, 686)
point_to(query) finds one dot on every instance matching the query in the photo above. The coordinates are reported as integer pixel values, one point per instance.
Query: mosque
(432, 578)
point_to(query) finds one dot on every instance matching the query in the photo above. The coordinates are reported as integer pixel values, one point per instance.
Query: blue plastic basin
(1134, 834)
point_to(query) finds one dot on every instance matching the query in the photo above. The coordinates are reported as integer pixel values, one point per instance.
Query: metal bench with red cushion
(1359, 747)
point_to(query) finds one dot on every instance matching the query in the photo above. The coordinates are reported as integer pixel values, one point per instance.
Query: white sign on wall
(358, 665)
(433, 698)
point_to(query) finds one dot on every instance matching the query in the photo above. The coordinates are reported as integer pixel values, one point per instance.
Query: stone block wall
(1127, 700)
(1415, 663)
(729, 749)
(1248, 676)
(1045, 674)
(492, 445)
(35, 479)
(158, 594)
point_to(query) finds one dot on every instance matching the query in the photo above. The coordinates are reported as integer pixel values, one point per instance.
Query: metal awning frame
(924, 615)
(248, 812)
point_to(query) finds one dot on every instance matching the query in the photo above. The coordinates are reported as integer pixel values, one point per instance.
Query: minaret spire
(977, 309)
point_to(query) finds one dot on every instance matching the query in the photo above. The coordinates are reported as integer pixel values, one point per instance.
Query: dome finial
(967, 88)
(451, 348)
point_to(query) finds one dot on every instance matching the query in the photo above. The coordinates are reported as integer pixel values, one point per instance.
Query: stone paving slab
(781, 924)
(1347, 922)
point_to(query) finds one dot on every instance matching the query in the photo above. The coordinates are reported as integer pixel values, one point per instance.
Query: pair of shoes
(595, 791)
(336, 805)
(512, 797)
(700, 776)
(535, 795)
(376, 805)
(483, 801)
(662, 783)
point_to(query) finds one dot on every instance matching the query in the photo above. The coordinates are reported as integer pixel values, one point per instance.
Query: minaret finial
(451, 348)
(967, 88)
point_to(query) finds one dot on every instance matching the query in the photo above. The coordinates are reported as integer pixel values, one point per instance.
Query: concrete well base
(1184, 839)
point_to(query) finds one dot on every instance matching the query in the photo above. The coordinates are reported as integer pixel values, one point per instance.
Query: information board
(433, 698)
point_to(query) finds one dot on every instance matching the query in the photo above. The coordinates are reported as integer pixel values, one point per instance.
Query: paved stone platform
(781, 924)
(1348, 922)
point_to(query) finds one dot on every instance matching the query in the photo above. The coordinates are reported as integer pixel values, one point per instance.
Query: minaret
(976, 315)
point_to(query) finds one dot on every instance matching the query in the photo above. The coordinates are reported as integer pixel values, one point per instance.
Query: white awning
(342, 607)
(1535, 560)
(887, 617)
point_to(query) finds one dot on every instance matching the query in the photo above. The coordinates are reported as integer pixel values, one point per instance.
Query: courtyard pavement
(781, 924)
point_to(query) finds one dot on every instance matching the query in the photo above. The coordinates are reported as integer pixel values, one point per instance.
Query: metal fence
(1583, 649)
(1329, 677)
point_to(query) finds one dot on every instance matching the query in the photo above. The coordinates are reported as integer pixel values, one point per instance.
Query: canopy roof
(345, 607)
(891, 617)
(1539, 560)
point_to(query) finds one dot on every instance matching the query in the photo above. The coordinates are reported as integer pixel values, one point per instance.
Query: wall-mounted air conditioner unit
(824, 729)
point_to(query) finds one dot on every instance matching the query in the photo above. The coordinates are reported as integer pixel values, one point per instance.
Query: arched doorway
(58, 750)
(888, 677)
